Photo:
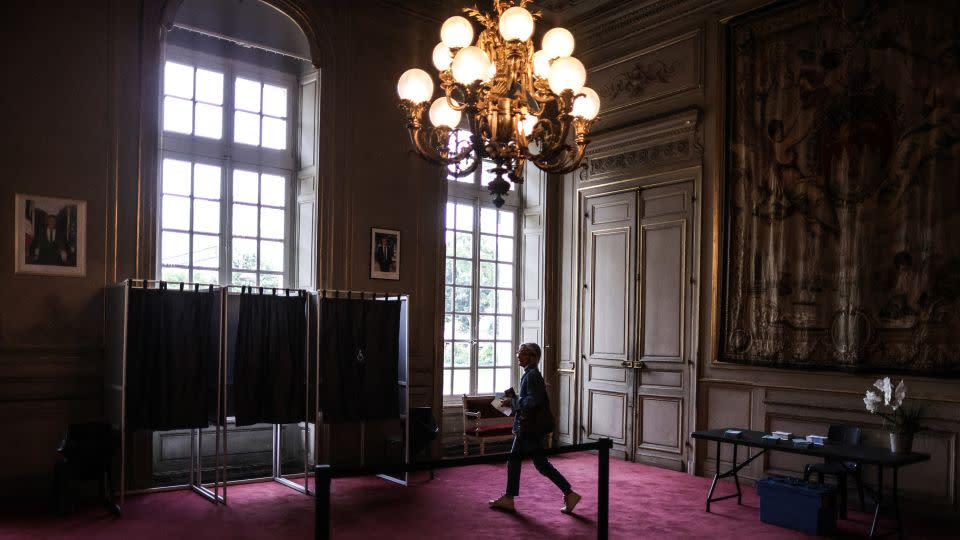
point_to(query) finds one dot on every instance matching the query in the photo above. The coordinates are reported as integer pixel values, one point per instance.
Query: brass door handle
(627, 364)
(641, 365)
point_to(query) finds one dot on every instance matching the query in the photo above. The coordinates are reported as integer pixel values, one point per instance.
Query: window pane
(485, 327)
(271, 256)
(244, 279)
(274, 133)
(245, 186)
(505, 302)
(206, 181)
(448, 278)
(271, 280)
(274, 101)
(246, 128)
(487, 175)
(488, 274)
(461, 354)
(464, 272)
(206, 276)
(506, 223)
(174, 274)
(488, 221)
(505, 354)
(462, 303)
(206, 216)
(447, 382)
(271, 223)
(176, 212)
(209, 121)
(175, 248)
(485, 354)
(504, 327)
(272, 189)
(448, 327)
(448, 299)
(448, 354)
(461, 381)
(485, 381)
(178, 80)
(177, 115)
(449, 246)
(464, 217)
(244, 220)
(488, 247)
(462, 329)
(503, 378)
(488, 301)
(505, 275)
(464, 245)
(244, 254)
(505, 249)
(176, 176)
(210, 86)
(451, 211)
(247, 95)
(206, 250)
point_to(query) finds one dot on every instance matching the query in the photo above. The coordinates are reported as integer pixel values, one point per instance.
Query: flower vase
(901, 442)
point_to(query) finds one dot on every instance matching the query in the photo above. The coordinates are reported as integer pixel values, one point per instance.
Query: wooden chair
(848, 436)
(483, 423)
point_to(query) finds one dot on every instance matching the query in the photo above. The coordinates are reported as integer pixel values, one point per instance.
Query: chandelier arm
(431, 152)
(569, 160)
(470, 168)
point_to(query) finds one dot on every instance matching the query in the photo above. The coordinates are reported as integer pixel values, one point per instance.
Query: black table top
(860, 454)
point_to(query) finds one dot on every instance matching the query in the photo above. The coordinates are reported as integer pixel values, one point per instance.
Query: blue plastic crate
(798, 505)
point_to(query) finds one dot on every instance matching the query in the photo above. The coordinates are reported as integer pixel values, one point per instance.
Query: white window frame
(477, 195)
(229, 155)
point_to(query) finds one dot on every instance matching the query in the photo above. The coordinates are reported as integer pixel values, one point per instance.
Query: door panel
(662, 246)
(664, 305)
(660, 428)
(610, 279)
(607, 416)
(609, 267)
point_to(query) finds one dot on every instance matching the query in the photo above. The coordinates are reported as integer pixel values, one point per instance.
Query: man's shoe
(570, 501)
(504, 502)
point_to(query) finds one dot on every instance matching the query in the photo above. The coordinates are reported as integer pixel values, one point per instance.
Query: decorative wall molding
(611, 23)
(667, 68)
(674, 139)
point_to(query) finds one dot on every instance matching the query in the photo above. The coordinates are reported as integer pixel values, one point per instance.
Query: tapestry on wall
(842, 201)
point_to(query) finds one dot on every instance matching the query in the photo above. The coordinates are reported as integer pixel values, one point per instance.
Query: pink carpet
(646, 502)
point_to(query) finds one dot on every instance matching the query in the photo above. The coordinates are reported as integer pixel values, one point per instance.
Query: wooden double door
(637, 285)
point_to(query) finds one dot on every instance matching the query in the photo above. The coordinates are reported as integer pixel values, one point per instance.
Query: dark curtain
(269, 365)
(169, 348)
(359, 354)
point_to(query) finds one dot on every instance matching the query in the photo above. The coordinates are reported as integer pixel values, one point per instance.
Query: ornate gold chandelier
(519, 104)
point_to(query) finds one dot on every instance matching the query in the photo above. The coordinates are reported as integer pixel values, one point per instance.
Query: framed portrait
(50, 236)
(841, 191)
(384, 254)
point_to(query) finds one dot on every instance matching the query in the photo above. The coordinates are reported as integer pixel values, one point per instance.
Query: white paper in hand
(496, 403)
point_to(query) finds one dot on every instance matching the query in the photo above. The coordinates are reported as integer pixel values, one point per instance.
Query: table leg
(716, 476)
(736, 479)
(879, 500)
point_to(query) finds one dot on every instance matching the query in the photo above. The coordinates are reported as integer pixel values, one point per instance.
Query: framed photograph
(50, 236)
(384, 254)
(840, 198)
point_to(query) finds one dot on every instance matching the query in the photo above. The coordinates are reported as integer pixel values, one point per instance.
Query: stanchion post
(322, 504)
(603, 489)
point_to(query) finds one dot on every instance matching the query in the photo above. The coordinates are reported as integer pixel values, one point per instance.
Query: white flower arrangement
(887, 401)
